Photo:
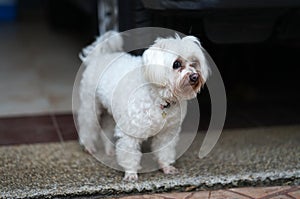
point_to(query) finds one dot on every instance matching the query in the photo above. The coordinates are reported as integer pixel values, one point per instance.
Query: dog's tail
(110, 42)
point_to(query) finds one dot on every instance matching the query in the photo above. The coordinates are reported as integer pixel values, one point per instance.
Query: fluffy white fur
(129, 94)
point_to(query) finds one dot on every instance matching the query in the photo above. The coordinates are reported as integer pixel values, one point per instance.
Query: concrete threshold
(242, 157)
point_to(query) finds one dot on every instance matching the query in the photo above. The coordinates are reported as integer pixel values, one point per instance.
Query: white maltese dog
(138, 97)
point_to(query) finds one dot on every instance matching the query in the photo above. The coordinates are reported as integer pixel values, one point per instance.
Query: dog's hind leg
(107, 133)
(89, 128)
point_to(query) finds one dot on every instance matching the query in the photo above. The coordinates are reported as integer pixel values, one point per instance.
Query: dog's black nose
(194, 77)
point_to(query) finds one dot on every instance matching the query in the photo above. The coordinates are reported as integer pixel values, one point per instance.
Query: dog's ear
(204, 65)
(155, 69)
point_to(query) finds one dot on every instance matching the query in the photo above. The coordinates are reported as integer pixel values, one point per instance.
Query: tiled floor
(284, 192)
(37, 69)
(37, 129)
(53, 127)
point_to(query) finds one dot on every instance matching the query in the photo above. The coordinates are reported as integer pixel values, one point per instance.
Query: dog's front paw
(169, 170)
(130, 176)
(88, 147)
(109, 149)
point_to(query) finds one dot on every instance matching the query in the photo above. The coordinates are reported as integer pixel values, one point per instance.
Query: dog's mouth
(193, 81)
(189, 86)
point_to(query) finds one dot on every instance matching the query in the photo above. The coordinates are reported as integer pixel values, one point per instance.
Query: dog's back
(110, 42)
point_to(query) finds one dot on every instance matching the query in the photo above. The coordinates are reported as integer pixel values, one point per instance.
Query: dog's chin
(189, 93)
(185, 90)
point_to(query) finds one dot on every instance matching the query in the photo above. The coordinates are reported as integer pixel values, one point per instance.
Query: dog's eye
(176, 64)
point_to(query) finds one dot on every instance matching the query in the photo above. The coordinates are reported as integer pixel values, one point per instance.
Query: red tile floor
(37, 129)
(279, 192)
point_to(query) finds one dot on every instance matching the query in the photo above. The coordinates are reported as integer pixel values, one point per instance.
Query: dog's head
(177, 66)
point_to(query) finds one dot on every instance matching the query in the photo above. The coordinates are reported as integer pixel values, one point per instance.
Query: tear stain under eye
(181, 68)
(199, 83)
(194, 64)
